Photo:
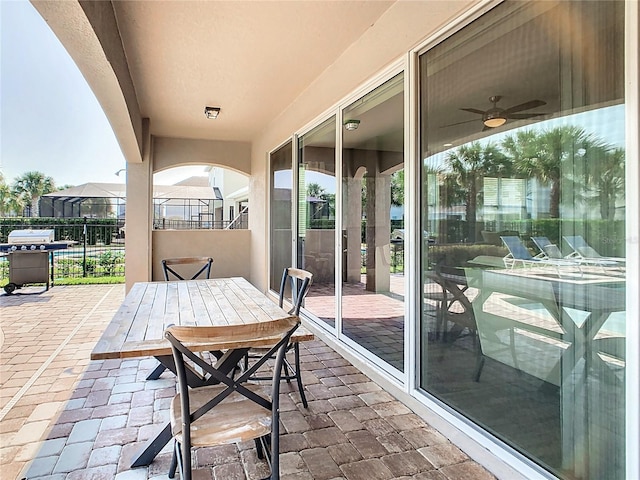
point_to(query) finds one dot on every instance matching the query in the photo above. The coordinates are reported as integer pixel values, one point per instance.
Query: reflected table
(595, 295)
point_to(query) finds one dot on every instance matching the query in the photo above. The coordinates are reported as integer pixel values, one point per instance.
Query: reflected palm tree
(469, 165)
(541, 155)
(607, 180)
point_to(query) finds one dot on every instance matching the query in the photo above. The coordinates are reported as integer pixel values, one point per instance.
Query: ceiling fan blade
(520, 116)
(525, 106)
(458, 123)
(473, 110)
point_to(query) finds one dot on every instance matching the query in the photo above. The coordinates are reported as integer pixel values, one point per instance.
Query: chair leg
(512, 338)
(287, 375)
(174, 461)
(479, 365)
(259, 449)
(296, 352)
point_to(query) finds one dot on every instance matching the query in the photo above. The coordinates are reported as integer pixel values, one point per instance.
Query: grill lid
(20, 237)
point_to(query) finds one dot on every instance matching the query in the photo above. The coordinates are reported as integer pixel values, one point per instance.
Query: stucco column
(378, 234)
(353, 219)
(139, 215)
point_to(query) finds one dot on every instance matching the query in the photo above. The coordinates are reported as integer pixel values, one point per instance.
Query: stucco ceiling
(185, 55)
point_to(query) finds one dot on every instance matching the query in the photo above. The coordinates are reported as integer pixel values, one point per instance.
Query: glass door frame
(511, 457)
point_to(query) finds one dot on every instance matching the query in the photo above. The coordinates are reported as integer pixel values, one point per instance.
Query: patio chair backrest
(299, 281)
(551, 250)
(580, 246)
(201, 265)
(516, 248)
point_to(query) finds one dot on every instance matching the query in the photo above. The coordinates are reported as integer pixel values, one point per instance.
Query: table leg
(153, 447)
(156, 372)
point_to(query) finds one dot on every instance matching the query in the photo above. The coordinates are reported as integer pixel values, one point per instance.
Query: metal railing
(240, 222)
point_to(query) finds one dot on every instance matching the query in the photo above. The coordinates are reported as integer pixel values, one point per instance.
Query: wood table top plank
(227, 307)
(137, 329)
(158, 298)
(139, 326)
(199, 305)
(252, 305)
(115, 334)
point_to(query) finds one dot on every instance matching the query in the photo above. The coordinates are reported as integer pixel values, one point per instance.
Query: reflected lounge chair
(547, 249)
(519, 253)
(583, 251)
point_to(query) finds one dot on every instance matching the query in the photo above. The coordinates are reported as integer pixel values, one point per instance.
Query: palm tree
(29, 187)
(314, 190)
(5, 197)
(470, 164)
(541, 155)
(397, 188)
(606, 178)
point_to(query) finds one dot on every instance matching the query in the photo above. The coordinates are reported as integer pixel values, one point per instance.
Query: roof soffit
(250, 58)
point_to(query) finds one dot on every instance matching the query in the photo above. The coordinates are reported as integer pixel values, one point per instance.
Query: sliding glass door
(523, 194)
(281, 195)
(316, 231)
(373, 222)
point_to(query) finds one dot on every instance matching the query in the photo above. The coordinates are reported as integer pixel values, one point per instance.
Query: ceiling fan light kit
(494, 119)
(496, 116)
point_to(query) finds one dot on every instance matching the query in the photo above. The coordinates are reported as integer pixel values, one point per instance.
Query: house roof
(92, 190)
(117, 190)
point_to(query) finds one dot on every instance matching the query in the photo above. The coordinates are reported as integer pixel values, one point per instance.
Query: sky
(50, 121)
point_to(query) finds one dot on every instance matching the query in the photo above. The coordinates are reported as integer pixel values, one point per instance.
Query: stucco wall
(172, 152)
(229, 247)
(401, 28)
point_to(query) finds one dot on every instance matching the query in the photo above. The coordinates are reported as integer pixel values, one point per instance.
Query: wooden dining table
(137, 328)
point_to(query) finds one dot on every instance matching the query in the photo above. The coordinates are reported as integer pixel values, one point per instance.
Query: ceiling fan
(496, 116)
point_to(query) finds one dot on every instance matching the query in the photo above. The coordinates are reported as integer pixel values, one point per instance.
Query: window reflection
(280, 205)
(316, 217)
(523, 326)
(373, 222)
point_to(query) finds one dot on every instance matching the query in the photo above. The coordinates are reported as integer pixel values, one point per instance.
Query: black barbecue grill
(30, 254)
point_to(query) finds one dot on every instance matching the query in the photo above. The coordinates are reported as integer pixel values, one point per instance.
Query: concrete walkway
(64, 417)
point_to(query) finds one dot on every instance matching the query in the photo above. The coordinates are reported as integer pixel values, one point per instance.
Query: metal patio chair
(174, 268)
(298, 282)
(227, 409)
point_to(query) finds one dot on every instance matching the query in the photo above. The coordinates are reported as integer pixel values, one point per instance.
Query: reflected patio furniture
(583, 251)
(455, 305)
(547, 249)
(458, 309)
(499, 316)
(436, 292)
(298, 282)
(552, 251)
(519, 253)
(559, 322)
(227, 410)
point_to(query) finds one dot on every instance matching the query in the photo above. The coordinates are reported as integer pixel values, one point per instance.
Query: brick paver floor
(65, 417)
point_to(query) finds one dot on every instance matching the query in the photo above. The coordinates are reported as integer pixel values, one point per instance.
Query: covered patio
(66, 417)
